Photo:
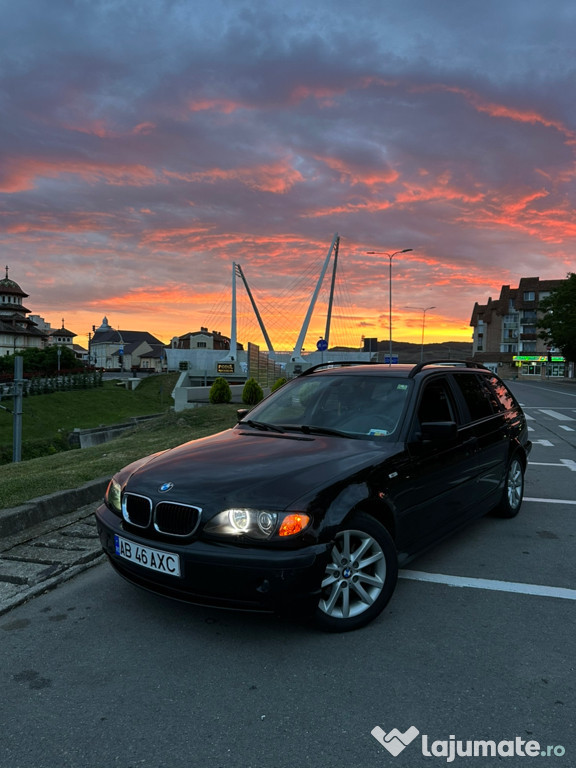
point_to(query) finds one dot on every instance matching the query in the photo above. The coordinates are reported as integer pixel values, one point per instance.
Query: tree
(42, 362)
(558, 323)
(220, 391)
(278, 383)
(252, 392)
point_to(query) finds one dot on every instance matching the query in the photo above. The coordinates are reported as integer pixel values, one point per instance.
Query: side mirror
(241, 413)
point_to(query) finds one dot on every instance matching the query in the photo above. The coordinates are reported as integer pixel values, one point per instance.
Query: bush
(252, 392)
(220, 391)
(277, 384)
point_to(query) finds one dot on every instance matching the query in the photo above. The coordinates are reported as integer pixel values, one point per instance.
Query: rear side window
(505, 397)
(480, 397)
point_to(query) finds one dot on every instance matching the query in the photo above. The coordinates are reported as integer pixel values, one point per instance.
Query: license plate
(154, 559)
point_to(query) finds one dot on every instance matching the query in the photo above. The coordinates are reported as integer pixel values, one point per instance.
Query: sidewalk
(47, 541)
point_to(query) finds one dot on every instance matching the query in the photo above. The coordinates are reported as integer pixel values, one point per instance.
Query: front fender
(335, 511)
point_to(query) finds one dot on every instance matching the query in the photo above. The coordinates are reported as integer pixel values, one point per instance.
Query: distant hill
(410, 353)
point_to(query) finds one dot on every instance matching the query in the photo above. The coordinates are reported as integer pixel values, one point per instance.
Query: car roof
(400, 371)
(375, 369)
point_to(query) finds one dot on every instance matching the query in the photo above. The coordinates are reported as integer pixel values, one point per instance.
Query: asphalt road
(97, 674)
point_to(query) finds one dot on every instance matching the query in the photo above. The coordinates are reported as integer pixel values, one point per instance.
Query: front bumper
(222, 574)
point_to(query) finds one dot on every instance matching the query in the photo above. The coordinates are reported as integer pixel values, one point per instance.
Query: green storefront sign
(537, 359)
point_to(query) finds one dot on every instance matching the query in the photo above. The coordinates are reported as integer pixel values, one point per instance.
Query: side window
(490, 393)
(480, 398)
(505, 397)
(436, 402)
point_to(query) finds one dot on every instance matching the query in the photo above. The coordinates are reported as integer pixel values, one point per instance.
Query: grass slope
(47, 419)
(37, 477)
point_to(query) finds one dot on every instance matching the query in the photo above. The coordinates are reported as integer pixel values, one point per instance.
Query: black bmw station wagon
(316, 496)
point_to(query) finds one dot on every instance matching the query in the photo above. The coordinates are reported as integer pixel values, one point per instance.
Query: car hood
(251, 468)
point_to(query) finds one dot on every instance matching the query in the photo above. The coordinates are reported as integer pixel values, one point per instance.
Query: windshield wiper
(264, 426)
(310, 429)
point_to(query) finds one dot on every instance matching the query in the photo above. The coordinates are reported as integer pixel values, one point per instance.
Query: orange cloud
(441, 190)
(86, 221)
(100, 129)
(22, 174)
(501, 110)
(517, 212)
(275, 177)
(323, 94)
(165, 237)
(371, 206)
(359, 175)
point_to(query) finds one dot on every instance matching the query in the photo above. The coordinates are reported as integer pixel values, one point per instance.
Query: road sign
(394, 359)
(322, 345)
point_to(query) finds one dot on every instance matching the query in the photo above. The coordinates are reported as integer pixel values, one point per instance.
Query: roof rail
(467, 363)
(334, 364)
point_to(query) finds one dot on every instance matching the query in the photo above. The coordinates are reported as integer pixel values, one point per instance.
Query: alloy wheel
(355, 577)
(515, 484)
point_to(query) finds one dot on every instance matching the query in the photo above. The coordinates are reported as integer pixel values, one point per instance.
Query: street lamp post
(423, 326)
(390, 257)
(421, 309)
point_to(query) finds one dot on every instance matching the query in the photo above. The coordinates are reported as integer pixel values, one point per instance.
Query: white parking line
(549, 501)
(490, 584)
(568, 463)
(556, 415)
(568, 429)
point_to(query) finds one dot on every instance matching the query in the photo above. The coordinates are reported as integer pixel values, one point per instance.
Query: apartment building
(202, 339)
(505, 336)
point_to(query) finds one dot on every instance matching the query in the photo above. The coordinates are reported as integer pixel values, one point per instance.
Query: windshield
(368, 406)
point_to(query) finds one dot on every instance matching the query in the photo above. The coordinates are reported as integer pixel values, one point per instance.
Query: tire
(355, 591)
(513, 493)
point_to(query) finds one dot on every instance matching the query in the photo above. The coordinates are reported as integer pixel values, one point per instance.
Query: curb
(17, 519)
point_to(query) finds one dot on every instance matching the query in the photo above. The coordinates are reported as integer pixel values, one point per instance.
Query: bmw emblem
(166, 487)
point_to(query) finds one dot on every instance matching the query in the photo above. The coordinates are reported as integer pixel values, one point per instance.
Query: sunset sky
(146, 145)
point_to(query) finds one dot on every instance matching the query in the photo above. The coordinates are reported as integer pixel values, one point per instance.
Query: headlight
(113, 496)
(257, 523)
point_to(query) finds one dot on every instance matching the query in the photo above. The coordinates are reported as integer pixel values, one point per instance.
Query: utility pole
(17, 428)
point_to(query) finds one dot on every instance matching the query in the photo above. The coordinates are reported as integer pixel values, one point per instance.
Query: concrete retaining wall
(192, 397)
(86, 438)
